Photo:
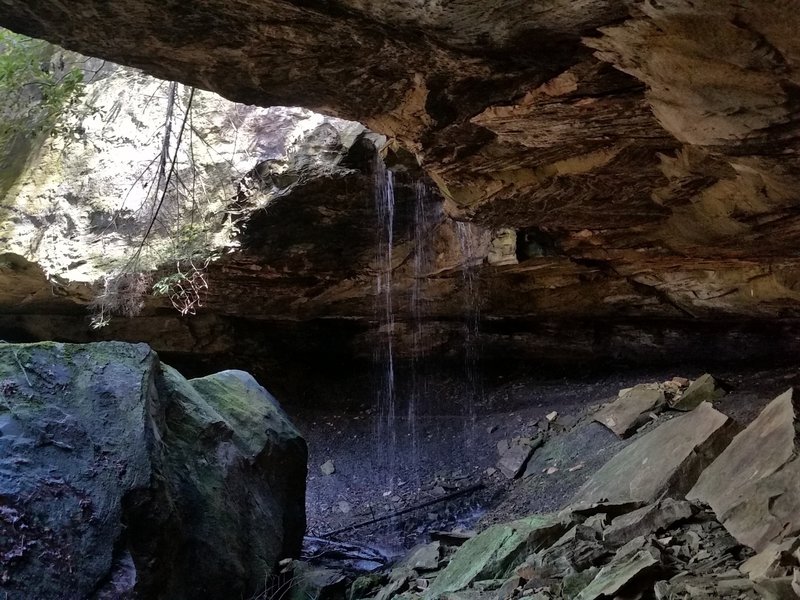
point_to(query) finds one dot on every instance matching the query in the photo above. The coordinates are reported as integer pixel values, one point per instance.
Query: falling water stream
(387, 400)
(426, 217)
(397, 415)
(474, 386)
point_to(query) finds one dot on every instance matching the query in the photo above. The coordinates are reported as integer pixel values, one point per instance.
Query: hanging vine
(125, 290)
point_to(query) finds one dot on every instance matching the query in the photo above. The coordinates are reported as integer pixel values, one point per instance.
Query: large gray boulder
(754, 485)
(121, 479)
(665, 461)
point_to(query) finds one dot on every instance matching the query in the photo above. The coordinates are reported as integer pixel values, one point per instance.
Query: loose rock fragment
(508, 589)
(702, 389)
(317, 582)
(778, 588)
(425, 558)
(626, 567)
(513, 461)
(631, 410)
(647, 520)
(775, 560)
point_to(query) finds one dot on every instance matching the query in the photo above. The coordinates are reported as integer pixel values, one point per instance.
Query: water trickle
(472, 314)
(424, 221)
(384, 352)
(426, 217)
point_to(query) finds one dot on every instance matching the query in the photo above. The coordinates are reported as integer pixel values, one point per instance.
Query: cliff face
(81, 205)
(617, 162)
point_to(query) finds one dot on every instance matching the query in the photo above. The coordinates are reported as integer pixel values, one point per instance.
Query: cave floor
(446, 450)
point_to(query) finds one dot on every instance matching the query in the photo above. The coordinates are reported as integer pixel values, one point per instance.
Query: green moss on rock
(494, 553)
(106, 452)
(252, 413)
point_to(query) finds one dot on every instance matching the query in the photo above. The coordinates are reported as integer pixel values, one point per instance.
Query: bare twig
(456, 494)
(24, 372)
(154, 218)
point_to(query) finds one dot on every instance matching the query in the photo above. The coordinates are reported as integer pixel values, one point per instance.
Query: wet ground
(449, 451)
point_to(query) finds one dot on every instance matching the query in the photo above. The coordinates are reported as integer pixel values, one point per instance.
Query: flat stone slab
(623, 569)
(754, 485)
(667, 460)
(702, 389)
(495, 552)
(631, 410)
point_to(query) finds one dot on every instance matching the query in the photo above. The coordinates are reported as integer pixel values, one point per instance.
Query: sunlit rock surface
(84, 202)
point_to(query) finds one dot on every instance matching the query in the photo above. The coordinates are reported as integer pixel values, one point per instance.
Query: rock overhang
(659, 159)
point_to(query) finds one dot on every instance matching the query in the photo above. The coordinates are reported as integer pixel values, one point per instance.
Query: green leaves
(35, 86)
(166, 285)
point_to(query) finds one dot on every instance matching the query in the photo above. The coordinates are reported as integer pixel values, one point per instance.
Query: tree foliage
(35, 86)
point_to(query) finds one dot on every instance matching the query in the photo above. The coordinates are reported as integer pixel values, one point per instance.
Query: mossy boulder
(121, 479)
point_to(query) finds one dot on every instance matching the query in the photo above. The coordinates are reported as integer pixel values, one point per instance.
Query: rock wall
(609, 177)
(651, 151)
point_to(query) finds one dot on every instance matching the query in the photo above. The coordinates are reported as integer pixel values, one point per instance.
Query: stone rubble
(703, 389)
(633, 531)
(635, 406)
(631, 409)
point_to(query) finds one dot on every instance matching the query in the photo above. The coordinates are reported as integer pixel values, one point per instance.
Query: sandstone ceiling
(654, 143)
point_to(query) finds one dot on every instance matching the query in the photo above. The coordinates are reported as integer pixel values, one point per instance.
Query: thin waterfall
(387, 400)
(472, 315)
(425, 219)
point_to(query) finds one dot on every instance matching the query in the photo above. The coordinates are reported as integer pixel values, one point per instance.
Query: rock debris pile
(695, 508)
